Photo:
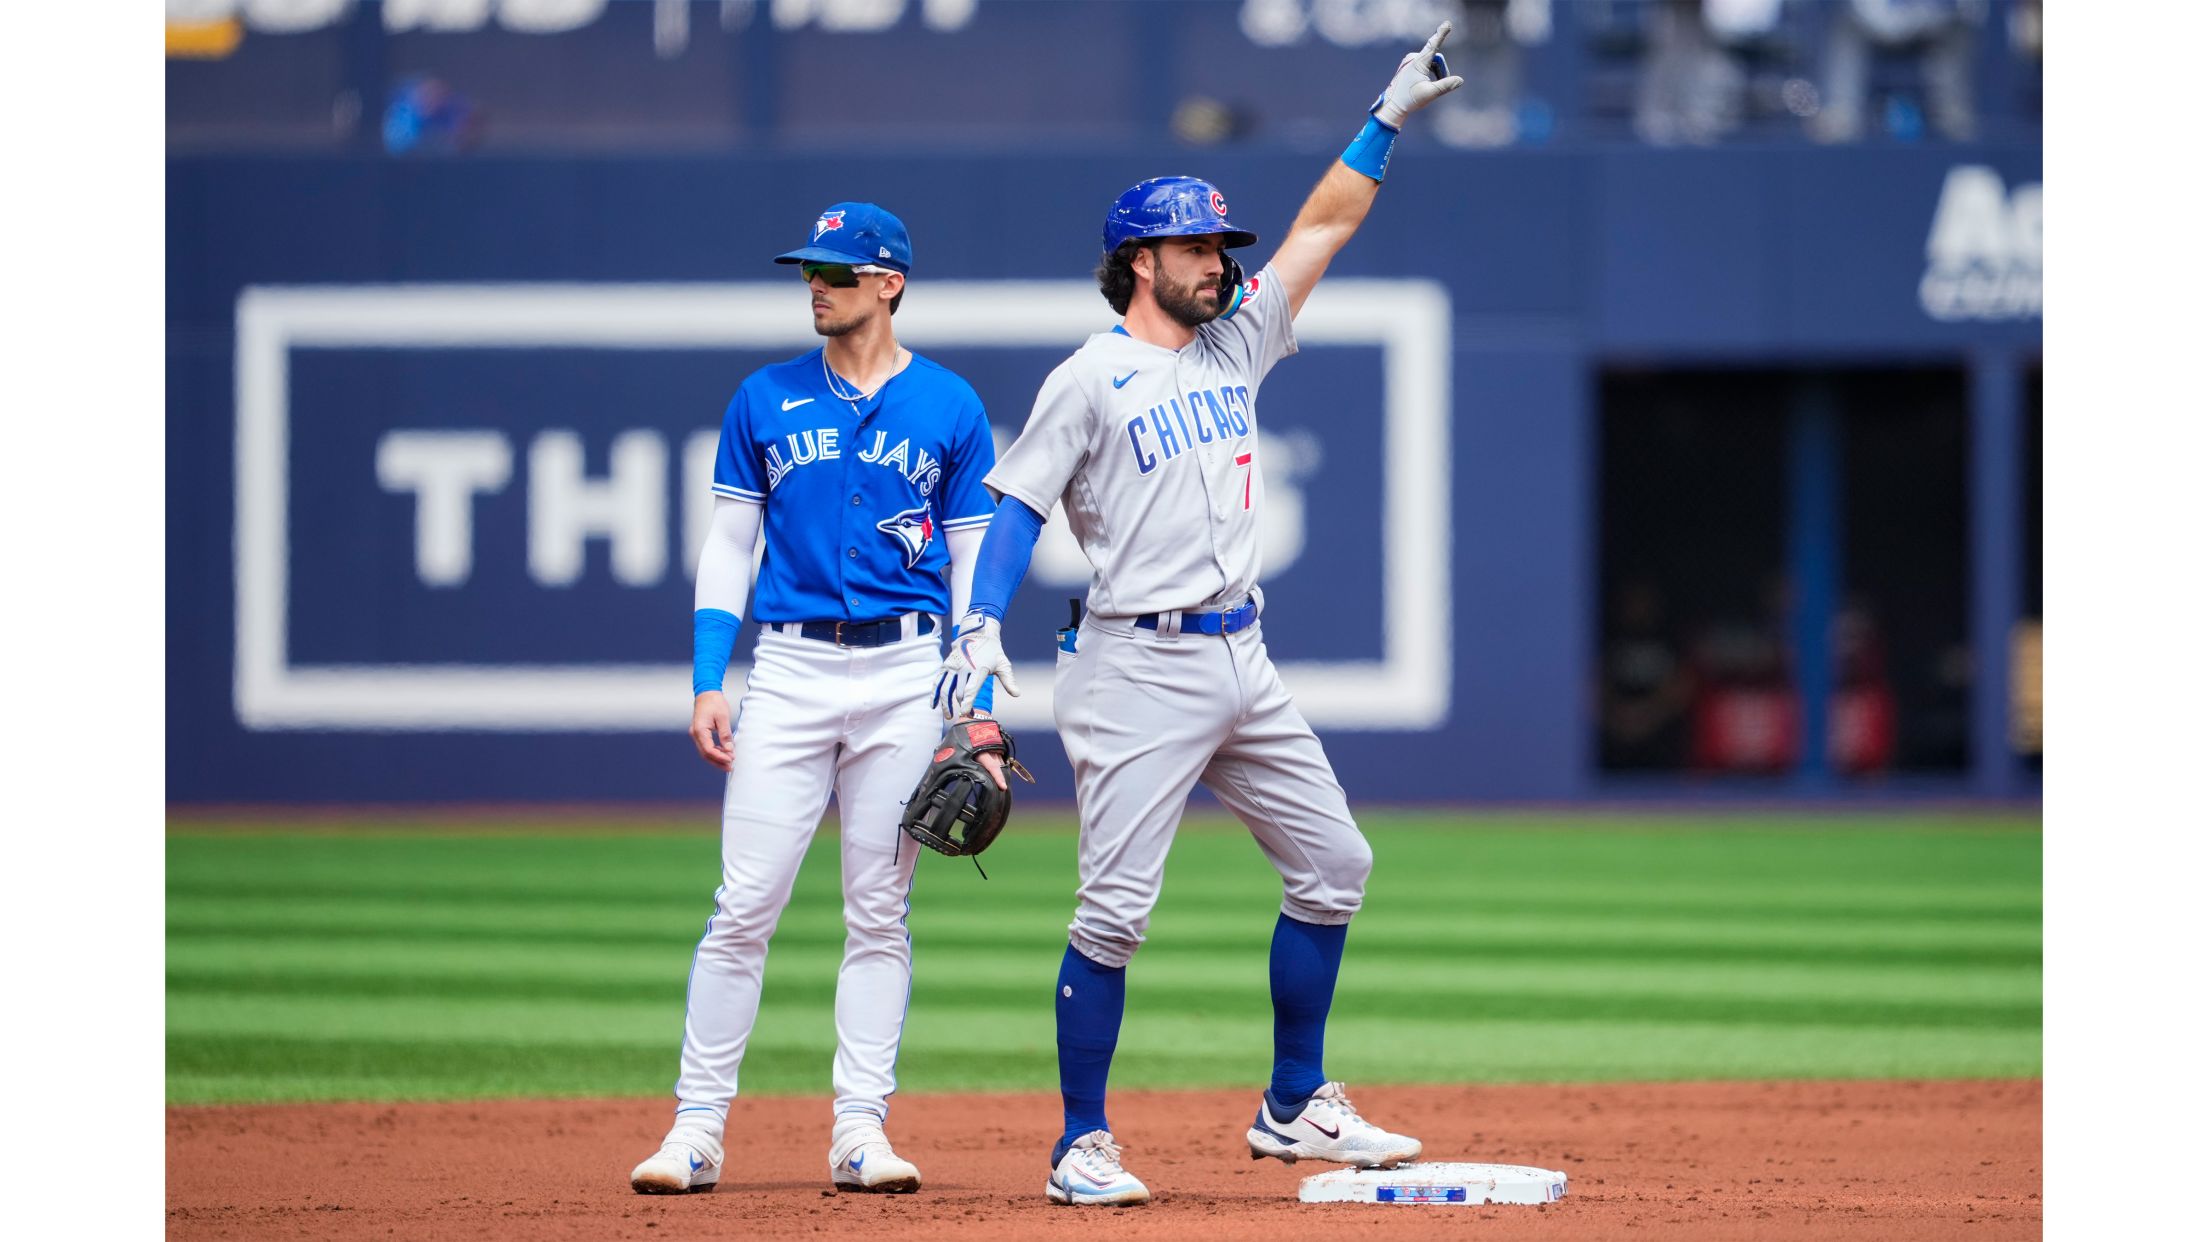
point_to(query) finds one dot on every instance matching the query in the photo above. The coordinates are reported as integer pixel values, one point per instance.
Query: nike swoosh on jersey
(788, 405)
(1121, 382)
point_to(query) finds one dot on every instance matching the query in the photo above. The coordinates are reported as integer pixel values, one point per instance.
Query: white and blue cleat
(690, 1164)
(1327, 1127)
(861, 1159)
(1090, 1174)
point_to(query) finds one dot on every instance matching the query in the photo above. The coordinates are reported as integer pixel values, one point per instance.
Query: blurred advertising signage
(301, 16)
(1983, 255)
(1357, 23)
(558, 16)
(416, 506)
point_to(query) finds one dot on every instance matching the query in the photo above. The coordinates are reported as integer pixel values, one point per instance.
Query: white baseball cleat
(861, 1159)
(1327, 1127)
(1089, 1173)
(689, 1164)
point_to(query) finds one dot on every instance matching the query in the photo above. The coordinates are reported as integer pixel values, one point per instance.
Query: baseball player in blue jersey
(1148, 436)
(861, 463)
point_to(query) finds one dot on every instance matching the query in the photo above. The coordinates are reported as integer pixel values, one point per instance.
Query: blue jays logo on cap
(914, 528)
(856, 233)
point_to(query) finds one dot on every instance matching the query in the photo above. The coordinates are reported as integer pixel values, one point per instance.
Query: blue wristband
(1368, 152)
(712, 638)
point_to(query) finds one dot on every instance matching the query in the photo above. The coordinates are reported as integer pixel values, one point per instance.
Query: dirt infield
(1710, 1162)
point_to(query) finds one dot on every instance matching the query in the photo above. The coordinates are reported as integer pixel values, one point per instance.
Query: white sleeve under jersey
(725, 562)
(1154, 454)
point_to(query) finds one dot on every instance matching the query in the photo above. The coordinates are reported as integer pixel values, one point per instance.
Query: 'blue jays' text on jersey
(857, 496)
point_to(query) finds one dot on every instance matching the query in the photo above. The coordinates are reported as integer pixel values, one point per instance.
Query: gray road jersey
(1154, 453)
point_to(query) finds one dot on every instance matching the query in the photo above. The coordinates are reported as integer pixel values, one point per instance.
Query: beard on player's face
(1186, 301)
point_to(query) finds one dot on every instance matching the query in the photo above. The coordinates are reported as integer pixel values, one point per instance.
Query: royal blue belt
(1240, 617)
(862, 633)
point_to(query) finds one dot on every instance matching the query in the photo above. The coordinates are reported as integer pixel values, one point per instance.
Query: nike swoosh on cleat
(858, 1162)
(1121, 382)
(1075, 1181)
(1334, 1133)
(1261, 1124)
(695, 1163)
(788, 405)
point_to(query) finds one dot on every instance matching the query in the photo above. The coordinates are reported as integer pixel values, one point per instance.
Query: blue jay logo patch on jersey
(829, 222)
(914, 528)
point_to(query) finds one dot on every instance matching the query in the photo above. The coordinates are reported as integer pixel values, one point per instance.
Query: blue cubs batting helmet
(1170, 207)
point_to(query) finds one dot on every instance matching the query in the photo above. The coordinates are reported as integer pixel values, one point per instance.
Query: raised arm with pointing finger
(1166, 289)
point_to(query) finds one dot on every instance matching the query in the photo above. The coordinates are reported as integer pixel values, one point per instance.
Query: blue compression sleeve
(1368, 152)
(712, 638)
(1005, 551)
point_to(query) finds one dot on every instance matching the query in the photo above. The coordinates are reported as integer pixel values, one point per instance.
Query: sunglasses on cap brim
(840, 275)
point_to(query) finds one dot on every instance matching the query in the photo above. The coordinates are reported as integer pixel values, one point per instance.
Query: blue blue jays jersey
(858, 495)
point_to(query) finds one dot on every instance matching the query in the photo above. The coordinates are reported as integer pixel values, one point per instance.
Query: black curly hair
(1115, 274)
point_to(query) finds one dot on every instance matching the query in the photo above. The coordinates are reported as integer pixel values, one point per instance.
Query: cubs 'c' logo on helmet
(1219, 204)
(829, 222)
(914, 528)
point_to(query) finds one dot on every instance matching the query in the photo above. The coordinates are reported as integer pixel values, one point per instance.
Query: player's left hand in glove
(959, 806)
(976, 654)
(1420, 78)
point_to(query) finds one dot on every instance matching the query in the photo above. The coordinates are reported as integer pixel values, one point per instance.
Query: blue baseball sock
(1091, 1000)
(1306, 958)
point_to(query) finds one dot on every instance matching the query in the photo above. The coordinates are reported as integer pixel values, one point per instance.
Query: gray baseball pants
(1144, 716)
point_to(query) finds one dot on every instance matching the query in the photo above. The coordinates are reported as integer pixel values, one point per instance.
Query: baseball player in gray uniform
(1148, 436)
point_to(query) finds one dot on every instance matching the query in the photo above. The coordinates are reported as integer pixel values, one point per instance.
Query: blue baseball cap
(856, 233)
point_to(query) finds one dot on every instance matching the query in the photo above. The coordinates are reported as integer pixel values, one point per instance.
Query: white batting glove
(1421, 78)
(977, 654)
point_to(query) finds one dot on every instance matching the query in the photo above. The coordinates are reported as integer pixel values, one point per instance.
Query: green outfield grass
(368, 962)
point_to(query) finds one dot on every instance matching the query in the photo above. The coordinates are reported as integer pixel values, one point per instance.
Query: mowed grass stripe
(385, 965)
(1623, 942)
(1742, 904)
(207, 963)
(1189, 915)
(1462, 1001)
(240, 1068)
(1155, 1025)
(1850, 868)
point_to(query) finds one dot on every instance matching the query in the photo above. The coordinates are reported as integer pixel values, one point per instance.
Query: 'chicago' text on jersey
(803, 448)
(1164, 432)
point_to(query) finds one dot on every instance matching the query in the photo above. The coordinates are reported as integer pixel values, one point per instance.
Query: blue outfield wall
(335, 635)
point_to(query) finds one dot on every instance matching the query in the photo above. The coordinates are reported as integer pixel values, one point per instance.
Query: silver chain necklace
(837, 386)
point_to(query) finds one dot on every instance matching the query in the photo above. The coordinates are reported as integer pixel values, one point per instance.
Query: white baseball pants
(1144, 716)
(816, 718)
